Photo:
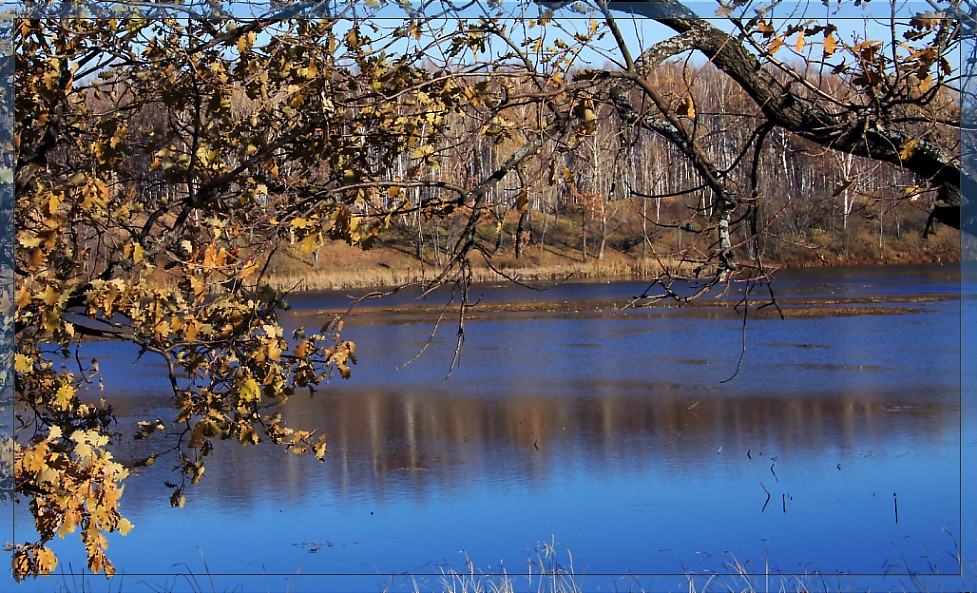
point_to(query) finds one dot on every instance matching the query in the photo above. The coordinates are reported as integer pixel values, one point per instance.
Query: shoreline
(792, 307)
(376, 274)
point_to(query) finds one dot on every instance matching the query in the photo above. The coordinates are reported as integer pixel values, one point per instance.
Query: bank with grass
(551, 249)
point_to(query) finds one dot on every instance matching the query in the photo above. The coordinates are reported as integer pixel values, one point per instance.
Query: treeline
(611, 188)
(619, 188)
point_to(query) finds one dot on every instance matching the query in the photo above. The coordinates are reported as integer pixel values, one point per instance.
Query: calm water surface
(835, 449)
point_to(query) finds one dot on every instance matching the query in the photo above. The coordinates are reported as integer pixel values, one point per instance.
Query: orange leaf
(829, 44)
(907, 148)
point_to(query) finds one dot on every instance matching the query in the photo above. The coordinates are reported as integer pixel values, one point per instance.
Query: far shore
(788, 307)
(350, 268)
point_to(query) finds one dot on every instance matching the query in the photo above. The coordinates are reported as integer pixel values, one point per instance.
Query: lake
(622, 439)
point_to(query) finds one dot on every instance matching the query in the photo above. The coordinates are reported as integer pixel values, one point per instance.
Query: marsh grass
(550, 569)
(85, 582)
(343, 267)
(183, 580)
(742, 577)
(374, 277)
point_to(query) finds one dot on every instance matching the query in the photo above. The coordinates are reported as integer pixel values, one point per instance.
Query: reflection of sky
(969, 411)
(613, 435)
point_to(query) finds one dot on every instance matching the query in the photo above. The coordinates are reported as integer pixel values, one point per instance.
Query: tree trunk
(519, 230)
(542, 235)
(783, 107)
(583, 228)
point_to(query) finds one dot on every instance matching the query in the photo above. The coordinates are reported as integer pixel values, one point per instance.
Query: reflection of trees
(580, 411)
(423, 444)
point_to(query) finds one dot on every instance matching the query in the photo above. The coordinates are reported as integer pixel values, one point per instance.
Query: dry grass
(550, 569)
(342, 267)
(392, 263)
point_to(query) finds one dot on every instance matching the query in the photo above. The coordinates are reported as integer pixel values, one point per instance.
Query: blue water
(609, 434)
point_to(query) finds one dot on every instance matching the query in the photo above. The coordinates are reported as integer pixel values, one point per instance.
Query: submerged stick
(895, 506)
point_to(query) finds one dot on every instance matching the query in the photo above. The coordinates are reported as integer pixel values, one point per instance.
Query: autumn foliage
(162, 162)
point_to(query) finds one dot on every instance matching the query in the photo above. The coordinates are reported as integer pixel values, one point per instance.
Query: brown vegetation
(393, 260)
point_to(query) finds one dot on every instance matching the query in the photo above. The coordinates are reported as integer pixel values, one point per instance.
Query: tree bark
(861, 137)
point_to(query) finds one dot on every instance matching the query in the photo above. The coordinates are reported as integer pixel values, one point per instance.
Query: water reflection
(613, 432)
(419, 443)
(533, 437)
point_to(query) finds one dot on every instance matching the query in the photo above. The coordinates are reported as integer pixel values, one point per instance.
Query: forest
(622, 201)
